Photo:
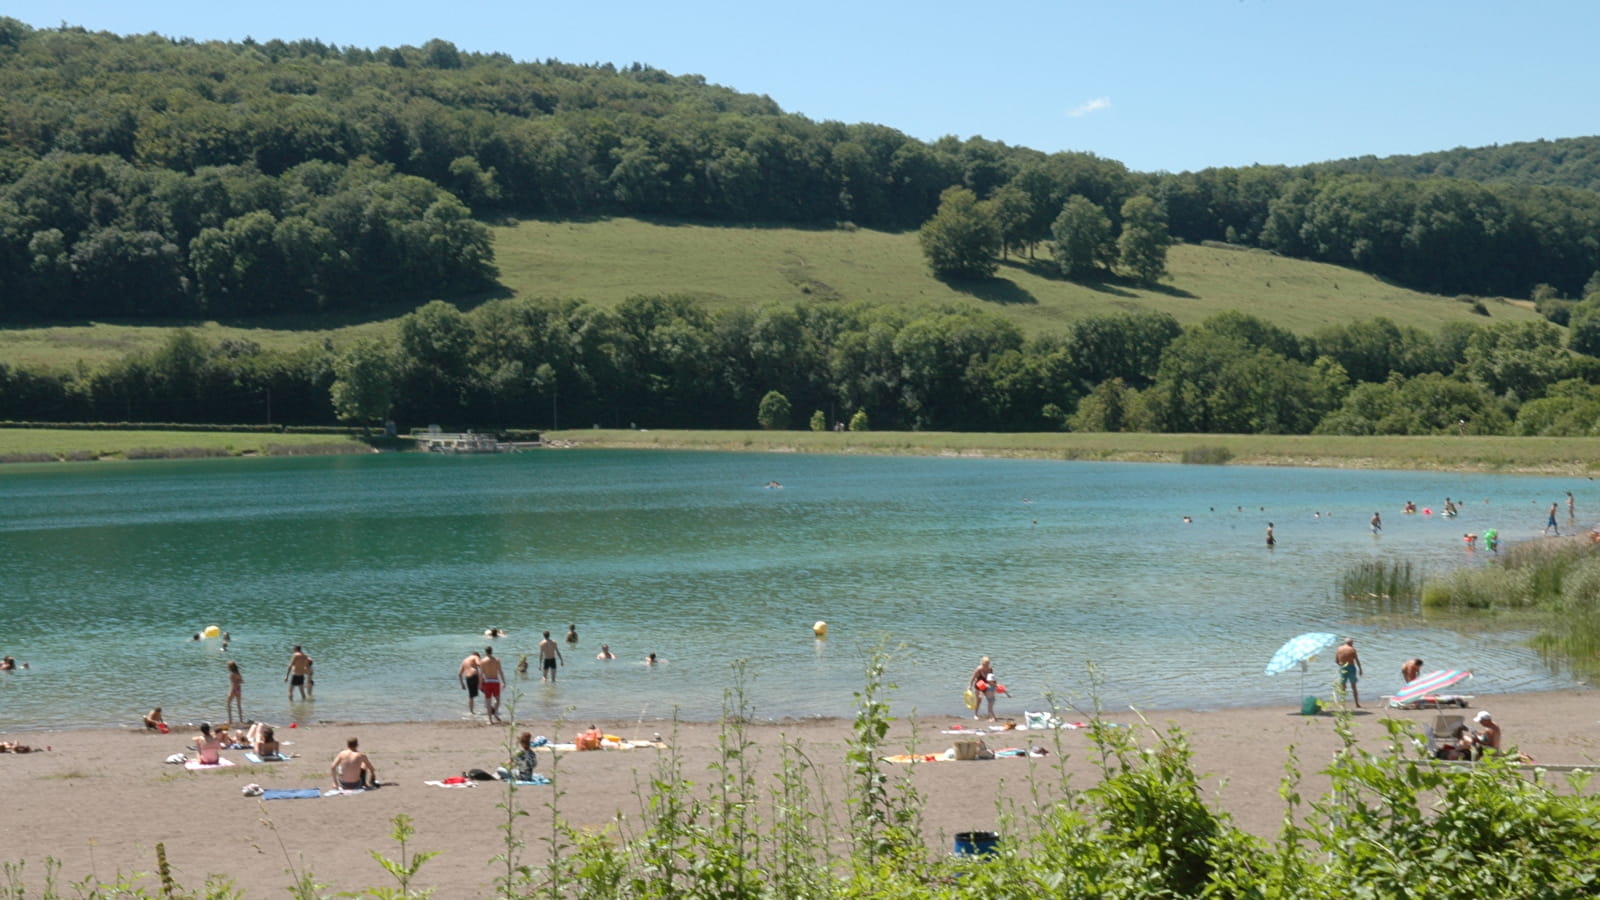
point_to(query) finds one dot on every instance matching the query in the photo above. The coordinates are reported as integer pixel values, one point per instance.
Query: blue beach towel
(252, 757)
(537, 779)
(290, 793)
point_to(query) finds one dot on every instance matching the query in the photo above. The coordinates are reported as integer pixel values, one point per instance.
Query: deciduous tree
(774, 412)
(1083, 238)
(963, 238)
(1142, 245)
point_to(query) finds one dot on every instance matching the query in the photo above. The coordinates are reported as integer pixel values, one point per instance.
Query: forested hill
(1567, 162)
(143, 177)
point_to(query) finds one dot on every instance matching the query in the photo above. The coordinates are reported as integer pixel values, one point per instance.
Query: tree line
(667, 362)
(95, 236)
(116, 153)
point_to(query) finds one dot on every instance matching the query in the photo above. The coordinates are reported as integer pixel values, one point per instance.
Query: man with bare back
(299, 671)
(549, 654)
(1349, 668)
(352, 770)
(490, 678)
(468, 676)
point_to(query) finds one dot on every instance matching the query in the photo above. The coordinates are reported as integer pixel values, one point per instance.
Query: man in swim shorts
(1349, 667)
(352, 770)
(549, 653)
(467, 675)
(490, 677)
(299, 669)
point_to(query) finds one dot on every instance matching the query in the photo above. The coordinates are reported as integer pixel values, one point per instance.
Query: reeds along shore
(1172, 802)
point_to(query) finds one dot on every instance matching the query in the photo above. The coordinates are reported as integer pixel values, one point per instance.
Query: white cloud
(1092, 106)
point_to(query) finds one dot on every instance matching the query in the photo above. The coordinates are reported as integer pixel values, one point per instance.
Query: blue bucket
(977, 843)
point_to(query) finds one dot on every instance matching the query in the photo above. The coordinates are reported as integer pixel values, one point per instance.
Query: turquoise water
(388, 568)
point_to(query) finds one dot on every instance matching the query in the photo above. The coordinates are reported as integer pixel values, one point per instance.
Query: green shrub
(1207, 456)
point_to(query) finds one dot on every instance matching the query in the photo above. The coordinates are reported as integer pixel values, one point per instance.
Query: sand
(99, 800)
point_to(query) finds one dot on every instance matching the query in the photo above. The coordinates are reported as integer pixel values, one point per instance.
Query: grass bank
(71, 445)
(1532, 455)
(1490, 453)
(607, 260)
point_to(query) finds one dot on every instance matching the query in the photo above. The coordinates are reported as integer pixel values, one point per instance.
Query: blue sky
(1157, 85)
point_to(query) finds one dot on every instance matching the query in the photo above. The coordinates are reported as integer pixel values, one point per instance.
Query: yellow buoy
(820, 629)
(211, 631)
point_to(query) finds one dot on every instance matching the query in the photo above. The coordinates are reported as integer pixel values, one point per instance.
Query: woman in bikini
(235, 691)
(208, 748)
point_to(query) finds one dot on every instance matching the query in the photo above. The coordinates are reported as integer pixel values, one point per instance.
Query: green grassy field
(1576, 456)
(608, 260)
(49, 444)
(605, 261)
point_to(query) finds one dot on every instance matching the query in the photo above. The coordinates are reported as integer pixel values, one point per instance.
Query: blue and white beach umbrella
(1299, 651)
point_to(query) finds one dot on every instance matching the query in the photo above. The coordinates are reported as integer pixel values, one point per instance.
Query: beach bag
(477, 775)
(1310, 706)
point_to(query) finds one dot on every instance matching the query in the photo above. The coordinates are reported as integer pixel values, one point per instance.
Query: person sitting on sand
(154, 722)
(352, 770)
(523, 762)
(266, 743)
(207, 747)
(15, 747)
(1489, 733)
(1410, 669)
(605, 652)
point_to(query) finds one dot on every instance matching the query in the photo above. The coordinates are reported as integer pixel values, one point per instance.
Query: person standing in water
(549, 655)
(1551, 525)
(467, 677)
(1271, 541)
(572, 635)
(490, 677)
(235, 690)
(299, 670)
(1377, 523)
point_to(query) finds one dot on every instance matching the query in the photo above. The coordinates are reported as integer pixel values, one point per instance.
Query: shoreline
(1488, 454)
(129, 800)
(1098, 447)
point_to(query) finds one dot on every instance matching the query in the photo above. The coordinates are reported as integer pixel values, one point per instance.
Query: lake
(387, 568)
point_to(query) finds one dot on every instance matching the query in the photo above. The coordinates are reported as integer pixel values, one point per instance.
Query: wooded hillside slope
(147, 177)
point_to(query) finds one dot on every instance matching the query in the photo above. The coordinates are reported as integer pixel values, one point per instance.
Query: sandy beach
(99, 800)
